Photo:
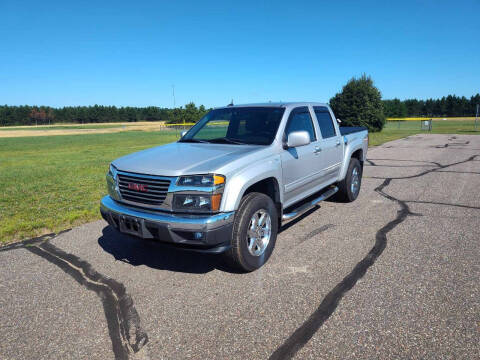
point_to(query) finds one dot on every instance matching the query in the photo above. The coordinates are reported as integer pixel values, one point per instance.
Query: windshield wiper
(228, 141)
(194, 141)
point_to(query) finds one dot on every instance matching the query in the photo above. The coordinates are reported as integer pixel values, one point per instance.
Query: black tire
(239, 256)
(345, 186)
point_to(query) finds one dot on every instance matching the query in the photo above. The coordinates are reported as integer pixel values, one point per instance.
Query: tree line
(447, 106)
(44, 115)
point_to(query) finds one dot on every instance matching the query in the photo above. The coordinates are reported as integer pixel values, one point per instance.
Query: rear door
(330, 144)
(301, 166)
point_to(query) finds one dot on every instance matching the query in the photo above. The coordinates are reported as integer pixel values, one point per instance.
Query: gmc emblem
(137, 187)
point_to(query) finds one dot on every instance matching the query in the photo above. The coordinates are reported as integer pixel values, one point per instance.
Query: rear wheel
(349, 187)
(254, 232)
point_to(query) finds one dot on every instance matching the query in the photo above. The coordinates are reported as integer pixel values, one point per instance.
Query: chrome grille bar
(153, 189)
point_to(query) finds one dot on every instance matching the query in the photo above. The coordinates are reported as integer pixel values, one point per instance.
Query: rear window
(325, 121)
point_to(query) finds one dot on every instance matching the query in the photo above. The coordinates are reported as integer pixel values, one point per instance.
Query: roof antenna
(231, 103)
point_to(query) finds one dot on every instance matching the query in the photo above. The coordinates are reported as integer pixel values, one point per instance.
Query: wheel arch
(268, 186)
(351, 152)
(358, 154)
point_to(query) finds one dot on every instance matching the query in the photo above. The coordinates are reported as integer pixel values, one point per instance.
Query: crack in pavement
(442, 203)
(302, 335)
(406, 160)
(25, 243)
(455, 144)
(316, 232)
(471, 158)
(127, 336)
(460, 172)
(305, 332)
(397, 166)
(313, 233)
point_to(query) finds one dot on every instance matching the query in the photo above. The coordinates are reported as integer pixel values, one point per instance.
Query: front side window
(237, 125)
(325, 121)
(300, 120)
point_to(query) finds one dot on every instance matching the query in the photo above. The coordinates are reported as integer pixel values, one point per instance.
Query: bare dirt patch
(73, 129)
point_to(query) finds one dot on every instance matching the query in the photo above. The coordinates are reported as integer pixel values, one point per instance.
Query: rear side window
(300, 120)
(325, 121)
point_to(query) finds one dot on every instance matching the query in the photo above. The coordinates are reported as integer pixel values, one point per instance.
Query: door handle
(317, 149)
(338, 143)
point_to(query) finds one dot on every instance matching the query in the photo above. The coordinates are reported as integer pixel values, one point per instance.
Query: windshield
(237, 125)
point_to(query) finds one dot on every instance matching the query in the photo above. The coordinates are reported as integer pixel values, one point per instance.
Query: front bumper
(205, 233)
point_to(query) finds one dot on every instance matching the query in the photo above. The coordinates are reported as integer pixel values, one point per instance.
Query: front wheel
(349, 187)
(254, 232)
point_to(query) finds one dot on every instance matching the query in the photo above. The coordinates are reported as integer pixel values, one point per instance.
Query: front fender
(241, 181)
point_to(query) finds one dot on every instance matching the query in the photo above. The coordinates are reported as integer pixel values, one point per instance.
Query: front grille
(145, 190)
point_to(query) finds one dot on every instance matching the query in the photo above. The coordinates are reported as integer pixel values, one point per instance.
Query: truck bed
(346, 130)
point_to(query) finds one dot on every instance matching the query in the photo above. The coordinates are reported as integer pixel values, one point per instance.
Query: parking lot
(394, 274)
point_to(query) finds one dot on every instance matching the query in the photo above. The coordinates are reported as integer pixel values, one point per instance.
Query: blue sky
(122, 53)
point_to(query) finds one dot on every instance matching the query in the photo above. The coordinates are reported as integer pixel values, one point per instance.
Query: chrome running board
(305, 207)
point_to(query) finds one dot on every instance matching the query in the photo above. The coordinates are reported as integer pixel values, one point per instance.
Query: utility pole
(476, 117)
(173, 93)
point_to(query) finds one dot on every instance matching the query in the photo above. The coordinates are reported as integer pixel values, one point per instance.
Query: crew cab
(229, 182)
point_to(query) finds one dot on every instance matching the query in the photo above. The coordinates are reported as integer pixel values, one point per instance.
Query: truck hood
(183, 158)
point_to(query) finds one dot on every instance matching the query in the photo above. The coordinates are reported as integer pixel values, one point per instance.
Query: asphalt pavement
(393, 275)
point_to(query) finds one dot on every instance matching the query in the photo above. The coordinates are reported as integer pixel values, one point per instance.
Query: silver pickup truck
(230, 181)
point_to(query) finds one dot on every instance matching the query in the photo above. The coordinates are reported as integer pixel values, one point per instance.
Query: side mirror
(298, 138)
(182, 134)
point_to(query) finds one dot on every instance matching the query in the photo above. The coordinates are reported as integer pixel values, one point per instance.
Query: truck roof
(277, 104)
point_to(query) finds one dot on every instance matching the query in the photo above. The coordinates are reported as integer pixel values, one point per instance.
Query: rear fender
(353, 144)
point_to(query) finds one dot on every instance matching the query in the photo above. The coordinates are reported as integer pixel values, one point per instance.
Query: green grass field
(51, 183)
(396, 130)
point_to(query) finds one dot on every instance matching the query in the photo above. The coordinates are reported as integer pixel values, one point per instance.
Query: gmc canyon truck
(230, 181)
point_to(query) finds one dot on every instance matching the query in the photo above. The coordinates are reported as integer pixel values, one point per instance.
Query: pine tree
(359, 104)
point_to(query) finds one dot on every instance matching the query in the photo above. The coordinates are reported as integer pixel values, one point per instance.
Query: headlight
(201, 180)
(196, 203)
(112, 171)
(199, 193)
(112, 183)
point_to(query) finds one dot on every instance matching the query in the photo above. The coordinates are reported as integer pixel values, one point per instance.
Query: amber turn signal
(218, 179)
(215, 202)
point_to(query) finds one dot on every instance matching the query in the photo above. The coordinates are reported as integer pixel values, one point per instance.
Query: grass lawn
(51, 183)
